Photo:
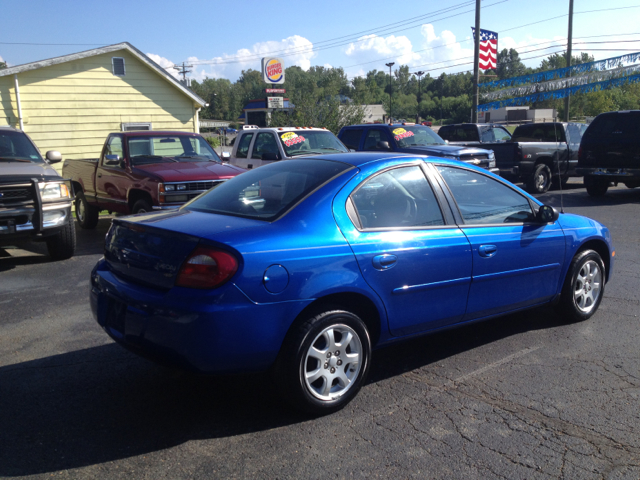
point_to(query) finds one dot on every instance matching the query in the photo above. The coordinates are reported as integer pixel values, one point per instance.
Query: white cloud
(295, 50)
(441, 51)
(371, 48)
(164, 63)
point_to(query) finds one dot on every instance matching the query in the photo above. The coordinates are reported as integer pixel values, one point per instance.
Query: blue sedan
(305, 266)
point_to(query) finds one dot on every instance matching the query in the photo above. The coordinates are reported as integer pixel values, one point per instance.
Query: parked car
(412, 139)
(539, 154)
(610, 152)
(259, 146)
(427, 123)
(35, 201)
(227, 130)
(463, 133)
(305, 266)
(141, 171)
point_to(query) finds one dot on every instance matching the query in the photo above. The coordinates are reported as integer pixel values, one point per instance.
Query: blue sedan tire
(324, 361)
(583, 288)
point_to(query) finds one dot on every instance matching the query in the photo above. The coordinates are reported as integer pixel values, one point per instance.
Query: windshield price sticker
(400, 133)
(291, 138)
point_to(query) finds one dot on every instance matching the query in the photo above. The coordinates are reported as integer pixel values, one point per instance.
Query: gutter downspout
(197, 120)
(15, 78)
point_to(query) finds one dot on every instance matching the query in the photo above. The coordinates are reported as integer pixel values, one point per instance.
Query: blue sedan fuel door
(418, 265)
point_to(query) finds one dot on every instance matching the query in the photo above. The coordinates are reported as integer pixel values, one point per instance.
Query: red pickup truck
(143, 171)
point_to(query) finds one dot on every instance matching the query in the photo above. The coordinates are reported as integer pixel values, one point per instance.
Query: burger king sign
(273, 70)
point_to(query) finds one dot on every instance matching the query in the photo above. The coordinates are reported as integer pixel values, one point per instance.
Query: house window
(118, 66)
(128, 127)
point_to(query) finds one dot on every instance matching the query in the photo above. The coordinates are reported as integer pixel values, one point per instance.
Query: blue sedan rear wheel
(325, 361)
(584, 286)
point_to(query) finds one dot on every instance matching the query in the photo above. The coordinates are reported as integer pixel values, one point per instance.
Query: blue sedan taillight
(206, 267)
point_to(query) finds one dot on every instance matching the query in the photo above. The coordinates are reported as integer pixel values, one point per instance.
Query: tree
(509, 64)
(3, 65)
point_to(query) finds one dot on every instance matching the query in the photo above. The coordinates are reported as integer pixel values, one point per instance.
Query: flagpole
(476, 66)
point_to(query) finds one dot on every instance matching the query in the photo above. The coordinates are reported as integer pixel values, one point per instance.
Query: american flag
(488, 48)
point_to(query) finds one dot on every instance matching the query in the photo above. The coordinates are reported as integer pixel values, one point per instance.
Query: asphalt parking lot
(521, 396)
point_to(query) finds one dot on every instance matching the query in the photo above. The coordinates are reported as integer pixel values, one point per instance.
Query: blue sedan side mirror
(547, 214)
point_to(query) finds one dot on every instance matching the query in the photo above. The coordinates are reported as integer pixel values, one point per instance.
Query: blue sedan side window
(483, 200)
(401, 197)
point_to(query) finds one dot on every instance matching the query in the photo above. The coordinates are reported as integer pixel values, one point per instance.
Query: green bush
(213, 141)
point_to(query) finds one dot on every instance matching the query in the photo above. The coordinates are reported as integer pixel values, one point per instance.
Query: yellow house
(71, 103)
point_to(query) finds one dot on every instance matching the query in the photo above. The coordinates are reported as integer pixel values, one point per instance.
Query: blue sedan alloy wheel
(584, 286)
(325, 362)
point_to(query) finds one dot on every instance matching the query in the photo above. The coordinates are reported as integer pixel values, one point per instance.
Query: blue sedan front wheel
(584, 286)
(325, 361)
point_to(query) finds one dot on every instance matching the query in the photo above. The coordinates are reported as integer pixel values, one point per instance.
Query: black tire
(596, 187)
(63, 244)
(141, 206)
(586, 274)
(338, 379)
(87, 215)
(540, 180)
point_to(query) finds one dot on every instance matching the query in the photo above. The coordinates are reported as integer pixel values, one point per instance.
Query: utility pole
(476, 66)
(390, 64)
(419, 74)
(183, 71)
(567, 99)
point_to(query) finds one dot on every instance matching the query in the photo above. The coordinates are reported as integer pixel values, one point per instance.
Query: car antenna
(555, 134)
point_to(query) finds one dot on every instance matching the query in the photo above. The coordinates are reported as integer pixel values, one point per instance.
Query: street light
(390, 64)
(419, 74)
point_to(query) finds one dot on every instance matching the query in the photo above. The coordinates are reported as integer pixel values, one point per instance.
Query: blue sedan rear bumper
(219, 331)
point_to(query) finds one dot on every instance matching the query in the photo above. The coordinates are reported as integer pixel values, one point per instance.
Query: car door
(111, 177)
(373, 136)
(240, 158)
(407, 246)
(265, 143)
(517, 260)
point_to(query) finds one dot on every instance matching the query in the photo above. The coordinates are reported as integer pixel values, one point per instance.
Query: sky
(221, 39)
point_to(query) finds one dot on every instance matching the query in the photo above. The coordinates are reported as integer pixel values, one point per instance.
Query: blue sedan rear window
(268, 192)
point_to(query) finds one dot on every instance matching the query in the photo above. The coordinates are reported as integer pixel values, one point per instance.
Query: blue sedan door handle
(384, 262)
(487, 250)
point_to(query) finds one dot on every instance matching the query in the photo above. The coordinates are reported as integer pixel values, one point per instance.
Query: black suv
(610, 152)
(35, 202)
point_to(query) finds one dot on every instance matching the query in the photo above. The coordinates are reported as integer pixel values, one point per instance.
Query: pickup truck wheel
(596, 187)
(86, 214)
(540, 180)
(63, 245)
(324, 361)
(141, 206)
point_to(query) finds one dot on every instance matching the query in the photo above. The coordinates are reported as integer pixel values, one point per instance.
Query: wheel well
(602, 250)
(135, 195)
(350, 301)
(77, 187)
(547, 161)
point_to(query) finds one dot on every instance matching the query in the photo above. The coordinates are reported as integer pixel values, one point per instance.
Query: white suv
(256, 146)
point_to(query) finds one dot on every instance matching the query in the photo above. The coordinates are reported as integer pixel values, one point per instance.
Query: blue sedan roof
(360, 158)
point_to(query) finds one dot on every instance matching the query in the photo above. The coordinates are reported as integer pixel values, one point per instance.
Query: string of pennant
(562, 72)
(592, 77)
(558, 94)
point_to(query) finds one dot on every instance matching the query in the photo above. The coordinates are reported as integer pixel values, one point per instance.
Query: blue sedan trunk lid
(150, 248)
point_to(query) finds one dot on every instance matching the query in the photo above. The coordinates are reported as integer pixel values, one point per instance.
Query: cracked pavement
(524, 396)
